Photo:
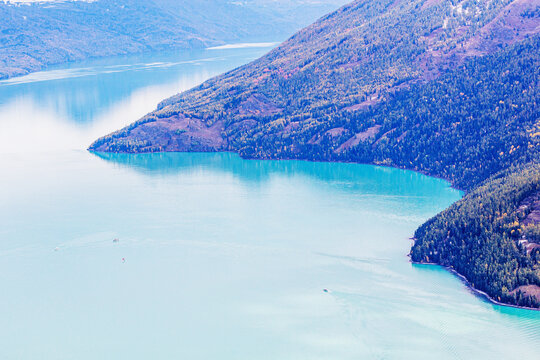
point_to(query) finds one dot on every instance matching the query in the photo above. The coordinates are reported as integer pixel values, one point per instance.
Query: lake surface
(217, 257)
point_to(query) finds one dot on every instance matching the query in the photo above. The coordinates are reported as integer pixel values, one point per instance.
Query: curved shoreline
(466, 282)
(478, 293)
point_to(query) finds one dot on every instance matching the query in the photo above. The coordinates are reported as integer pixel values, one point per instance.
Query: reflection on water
(259, 170)
(69, 107)
(335, 175)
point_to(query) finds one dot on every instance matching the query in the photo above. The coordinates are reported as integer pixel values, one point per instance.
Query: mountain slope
(344, 62)
(444, 87)
(41, 33)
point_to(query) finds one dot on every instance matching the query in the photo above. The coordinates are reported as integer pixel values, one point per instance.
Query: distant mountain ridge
(36, 34)
(446, 87)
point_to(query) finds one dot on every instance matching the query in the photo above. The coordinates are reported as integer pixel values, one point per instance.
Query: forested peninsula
(445, 87)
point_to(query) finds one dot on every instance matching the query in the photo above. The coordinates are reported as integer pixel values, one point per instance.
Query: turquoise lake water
(217, 257)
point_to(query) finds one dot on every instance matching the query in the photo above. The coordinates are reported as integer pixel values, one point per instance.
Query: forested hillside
(347, 61)
(38, 33)
(491, 237)
(448, 88)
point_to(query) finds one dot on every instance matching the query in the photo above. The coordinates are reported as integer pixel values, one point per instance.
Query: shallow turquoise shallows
(208, 256)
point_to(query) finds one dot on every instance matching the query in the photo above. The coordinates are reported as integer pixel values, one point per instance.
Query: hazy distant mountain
(446, 87)
(37, 33)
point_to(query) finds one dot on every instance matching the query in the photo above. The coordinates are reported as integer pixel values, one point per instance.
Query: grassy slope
(444, 88)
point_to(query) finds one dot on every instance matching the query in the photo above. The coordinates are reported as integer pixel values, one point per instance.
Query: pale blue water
(223, 258)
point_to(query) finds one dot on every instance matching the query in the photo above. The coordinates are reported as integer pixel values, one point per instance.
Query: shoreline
(478, 293)
(46, 66)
